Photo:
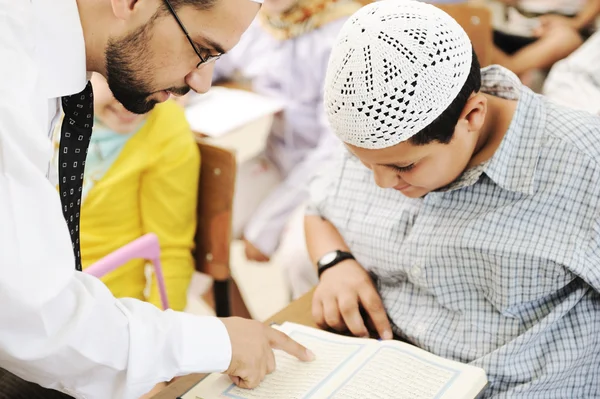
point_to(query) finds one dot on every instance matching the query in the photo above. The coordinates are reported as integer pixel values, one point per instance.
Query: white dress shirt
(60, 328)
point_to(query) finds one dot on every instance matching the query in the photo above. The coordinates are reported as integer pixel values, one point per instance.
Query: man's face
(109, 111)
(152, 58)
(416, 170)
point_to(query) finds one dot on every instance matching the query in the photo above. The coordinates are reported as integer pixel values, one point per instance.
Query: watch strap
(340, 257)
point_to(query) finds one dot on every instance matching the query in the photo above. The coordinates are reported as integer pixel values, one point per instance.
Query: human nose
(385, 178)
(200, 79)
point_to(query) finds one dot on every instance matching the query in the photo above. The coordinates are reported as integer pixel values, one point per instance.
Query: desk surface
(298, 311)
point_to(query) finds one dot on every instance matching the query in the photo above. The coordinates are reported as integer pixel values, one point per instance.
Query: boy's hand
(337, 298)
(549, 22)
(253, 253)
(252, 346)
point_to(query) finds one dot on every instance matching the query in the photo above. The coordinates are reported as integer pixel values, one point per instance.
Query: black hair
(200, 5)
(442, 128)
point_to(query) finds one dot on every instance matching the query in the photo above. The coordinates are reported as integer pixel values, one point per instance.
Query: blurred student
(284, 54)
(575, 81)
(550, 31)
(141, 176)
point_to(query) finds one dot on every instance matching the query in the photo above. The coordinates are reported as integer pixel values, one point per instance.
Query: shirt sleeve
(168, 197)
(61, 328)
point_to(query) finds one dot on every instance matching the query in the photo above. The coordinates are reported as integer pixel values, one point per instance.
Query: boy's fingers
(374, 307)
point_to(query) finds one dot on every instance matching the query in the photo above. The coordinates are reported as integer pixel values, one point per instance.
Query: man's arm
(61, 328)
(582, 20)
(587, 15)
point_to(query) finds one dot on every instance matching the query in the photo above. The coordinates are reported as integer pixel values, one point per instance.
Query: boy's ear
(474, 111)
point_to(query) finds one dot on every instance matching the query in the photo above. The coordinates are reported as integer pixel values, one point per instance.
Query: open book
(353, 368)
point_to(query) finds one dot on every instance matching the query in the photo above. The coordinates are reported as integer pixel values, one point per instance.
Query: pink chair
(145, 247)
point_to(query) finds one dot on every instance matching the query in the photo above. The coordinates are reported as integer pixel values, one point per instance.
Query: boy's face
(415, 170)
(149, 57)
(109, 111)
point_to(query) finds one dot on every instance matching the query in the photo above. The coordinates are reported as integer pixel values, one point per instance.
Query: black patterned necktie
(75, 135)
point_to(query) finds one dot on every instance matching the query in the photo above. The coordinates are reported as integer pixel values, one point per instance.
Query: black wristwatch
(331, 259)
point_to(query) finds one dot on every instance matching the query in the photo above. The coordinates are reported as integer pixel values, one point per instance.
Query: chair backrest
(215, 205)
(475, 19)
(146, 247)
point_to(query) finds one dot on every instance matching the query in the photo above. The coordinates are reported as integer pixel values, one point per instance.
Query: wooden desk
(298, 311)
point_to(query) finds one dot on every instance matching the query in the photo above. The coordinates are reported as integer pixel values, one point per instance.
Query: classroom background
(219, 203)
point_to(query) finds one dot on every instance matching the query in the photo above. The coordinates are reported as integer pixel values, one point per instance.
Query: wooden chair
(213, 235)
(476, 20)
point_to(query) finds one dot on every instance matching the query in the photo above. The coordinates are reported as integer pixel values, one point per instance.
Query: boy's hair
(442, 128)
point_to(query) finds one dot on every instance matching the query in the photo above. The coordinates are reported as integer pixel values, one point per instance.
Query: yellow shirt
(151, 187)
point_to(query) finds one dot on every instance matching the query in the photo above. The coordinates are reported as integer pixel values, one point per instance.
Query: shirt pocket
(523, 285)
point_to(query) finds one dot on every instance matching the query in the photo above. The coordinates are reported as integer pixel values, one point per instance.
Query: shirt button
(419, 329)
(415, 271)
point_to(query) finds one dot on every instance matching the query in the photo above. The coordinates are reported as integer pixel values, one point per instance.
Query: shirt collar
(60, 47)
(513, 165)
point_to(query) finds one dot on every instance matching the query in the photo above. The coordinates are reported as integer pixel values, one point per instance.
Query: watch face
(328, 258)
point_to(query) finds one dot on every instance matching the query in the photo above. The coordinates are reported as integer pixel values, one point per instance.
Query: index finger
(374, 307)
(281, 341)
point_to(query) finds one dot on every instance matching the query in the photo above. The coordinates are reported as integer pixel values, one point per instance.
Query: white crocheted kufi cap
(395, 67)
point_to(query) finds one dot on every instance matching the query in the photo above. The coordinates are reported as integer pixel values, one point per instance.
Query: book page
(400, 370)
(293, 379)
(392, 372)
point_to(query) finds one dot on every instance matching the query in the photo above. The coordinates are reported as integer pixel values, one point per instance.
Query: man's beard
(128, 71)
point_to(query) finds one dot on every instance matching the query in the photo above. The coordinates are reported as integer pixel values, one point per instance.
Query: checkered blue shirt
(500, 269)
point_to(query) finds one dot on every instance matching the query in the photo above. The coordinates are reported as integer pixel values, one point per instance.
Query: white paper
(222, 110)
(393, 372)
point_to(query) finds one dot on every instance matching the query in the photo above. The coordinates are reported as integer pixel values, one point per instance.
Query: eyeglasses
(204, 54)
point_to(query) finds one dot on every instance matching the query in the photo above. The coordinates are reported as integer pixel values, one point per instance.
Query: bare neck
(96, 20)
(498, 117)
